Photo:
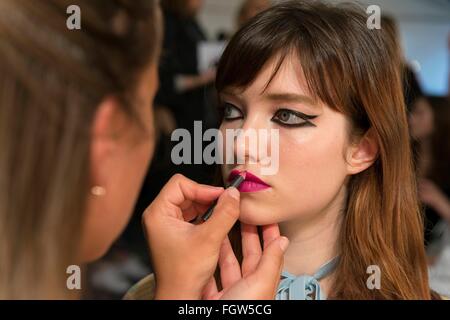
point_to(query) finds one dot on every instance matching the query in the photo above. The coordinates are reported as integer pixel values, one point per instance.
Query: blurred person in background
(249, 9)
(431, 193)
(182, 88)
(422, 126)
(430, 129)
(411, 86)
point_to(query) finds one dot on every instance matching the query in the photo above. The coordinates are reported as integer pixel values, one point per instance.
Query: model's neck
(313, 241)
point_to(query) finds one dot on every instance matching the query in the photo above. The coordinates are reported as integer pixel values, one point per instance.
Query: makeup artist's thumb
(225, 214)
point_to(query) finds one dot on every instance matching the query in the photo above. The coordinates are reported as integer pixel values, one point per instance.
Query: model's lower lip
(251, 186)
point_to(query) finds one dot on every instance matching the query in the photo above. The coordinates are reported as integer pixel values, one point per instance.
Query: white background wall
(424, 26)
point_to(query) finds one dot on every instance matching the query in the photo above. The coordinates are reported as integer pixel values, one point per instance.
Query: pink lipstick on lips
(251, 183)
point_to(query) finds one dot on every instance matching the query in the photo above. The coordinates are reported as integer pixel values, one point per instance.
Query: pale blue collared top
(304, 287)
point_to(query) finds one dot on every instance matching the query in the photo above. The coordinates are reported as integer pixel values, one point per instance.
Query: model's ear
(362, 154)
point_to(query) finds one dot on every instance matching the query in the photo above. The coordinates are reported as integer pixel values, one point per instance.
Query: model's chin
(256, 214)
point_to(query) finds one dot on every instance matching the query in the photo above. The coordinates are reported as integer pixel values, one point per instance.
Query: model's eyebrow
(290, 97)
(230, 94)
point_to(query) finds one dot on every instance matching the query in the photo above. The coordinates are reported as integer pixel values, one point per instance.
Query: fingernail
(233, 192)
(284, 243)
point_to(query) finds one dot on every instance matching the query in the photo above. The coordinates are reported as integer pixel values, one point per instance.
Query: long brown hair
(51, 81)
(355, 71)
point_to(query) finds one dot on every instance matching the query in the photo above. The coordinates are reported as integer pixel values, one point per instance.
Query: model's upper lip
(248, 177)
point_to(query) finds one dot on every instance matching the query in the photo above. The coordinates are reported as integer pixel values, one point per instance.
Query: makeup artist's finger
(251, 248)
(224, 216)
(269, 266)
(210, 290)
(179, 189)
(230, 271)
(270, 232)
(194, 210)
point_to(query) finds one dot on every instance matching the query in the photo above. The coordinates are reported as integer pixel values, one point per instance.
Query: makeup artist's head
(332, 88)
(76, 133)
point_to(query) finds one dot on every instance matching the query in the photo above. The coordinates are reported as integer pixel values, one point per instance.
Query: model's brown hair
(51, 81)
(355, 71)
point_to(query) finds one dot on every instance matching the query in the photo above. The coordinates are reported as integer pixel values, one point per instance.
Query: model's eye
(292, 118)
(231, 112)
(287, 117)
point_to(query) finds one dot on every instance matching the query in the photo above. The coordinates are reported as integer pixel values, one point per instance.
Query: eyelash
(306, 118)
(224, 109)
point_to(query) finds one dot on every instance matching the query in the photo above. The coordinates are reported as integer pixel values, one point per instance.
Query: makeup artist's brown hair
(51, 81)
(355, 71)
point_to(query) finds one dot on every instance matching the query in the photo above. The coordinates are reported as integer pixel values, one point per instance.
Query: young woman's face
(312, 169)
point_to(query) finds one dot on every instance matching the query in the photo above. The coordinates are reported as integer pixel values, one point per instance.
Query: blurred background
(196, 33)
(424, 27)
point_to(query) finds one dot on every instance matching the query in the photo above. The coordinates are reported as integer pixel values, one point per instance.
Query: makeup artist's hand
(185, 255)
(259, 275)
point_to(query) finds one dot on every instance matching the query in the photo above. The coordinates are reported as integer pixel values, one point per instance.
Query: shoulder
(143, 290)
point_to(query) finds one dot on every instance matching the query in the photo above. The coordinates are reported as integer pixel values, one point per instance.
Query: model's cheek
(309, 159)
(291, 146)
(296, 161)
(296, 147)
